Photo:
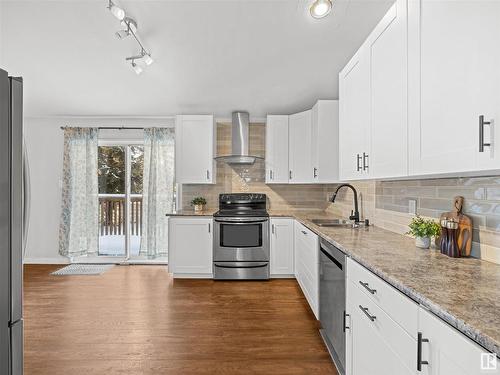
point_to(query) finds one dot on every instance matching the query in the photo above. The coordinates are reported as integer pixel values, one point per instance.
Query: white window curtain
(158, 191)
(78, 232)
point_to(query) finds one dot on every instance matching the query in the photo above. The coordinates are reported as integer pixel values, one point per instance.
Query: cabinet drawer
(306, 236)
(401, 344)
(399, 307)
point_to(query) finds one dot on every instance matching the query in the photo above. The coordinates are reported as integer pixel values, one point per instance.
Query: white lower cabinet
(389, 334)
(375, 343)
(448, 352)
(306, 245)
(282, 249)
(190, 246)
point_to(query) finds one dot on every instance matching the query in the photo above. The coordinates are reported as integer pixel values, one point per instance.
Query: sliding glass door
(120, 199)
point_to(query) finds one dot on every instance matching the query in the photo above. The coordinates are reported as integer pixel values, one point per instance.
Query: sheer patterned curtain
(78, 231)
(158, 190)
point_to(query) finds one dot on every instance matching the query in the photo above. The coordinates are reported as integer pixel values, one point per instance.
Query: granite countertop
(206, 212)
(464, 292)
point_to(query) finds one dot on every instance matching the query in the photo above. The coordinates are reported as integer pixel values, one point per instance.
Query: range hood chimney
(239, 141)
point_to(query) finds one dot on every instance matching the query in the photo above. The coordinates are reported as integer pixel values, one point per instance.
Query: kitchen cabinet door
(354, 115)
(190, 246)
(194, 149)
(282, 249)
(388, 94)
(449, 352)
(306, 244)
(299, 152)
(277, 149)
(453, 58)
(375, 344)
(325, 141)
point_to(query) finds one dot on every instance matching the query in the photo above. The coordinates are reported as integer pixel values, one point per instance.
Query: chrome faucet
(354, 213)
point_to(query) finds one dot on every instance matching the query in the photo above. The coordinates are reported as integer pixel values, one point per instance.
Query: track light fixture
(130, 28)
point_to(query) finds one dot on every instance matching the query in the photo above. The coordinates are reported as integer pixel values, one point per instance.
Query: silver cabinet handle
(290, 175)
(315, 172)
(365, 161)
(209, 227)
(208, 174)
(270, 174)
(272, 228)
(372, 291)
(358, 159)
(481, 133)
(304, 232)
(420, 340)
(367, 313)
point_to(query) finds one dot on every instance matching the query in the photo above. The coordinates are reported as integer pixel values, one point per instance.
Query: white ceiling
(210, 56)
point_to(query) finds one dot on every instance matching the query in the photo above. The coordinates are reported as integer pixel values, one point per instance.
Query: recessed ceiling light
(320, 8)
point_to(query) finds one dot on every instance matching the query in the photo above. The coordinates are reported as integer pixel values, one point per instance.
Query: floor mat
(83, 269)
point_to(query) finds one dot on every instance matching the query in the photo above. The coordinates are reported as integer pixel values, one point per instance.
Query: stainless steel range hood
(240, 140)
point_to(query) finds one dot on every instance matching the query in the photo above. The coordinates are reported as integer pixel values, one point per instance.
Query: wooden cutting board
(464, 225)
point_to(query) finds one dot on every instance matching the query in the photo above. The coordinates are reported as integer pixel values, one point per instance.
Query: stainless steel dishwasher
(332, 302)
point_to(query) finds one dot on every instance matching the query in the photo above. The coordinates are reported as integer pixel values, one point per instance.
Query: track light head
(148, 60)
(137, 68)
(116, 11)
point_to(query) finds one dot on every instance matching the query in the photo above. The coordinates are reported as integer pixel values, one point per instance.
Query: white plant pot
(423, 242)
(198, 208)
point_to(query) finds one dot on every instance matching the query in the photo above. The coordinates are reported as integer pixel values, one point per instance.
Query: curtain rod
(112, 128)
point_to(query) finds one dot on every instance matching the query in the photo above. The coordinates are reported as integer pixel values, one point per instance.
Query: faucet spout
(354, 213)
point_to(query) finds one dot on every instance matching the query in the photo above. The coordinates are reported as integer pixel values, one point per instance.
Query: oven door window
(241, 235)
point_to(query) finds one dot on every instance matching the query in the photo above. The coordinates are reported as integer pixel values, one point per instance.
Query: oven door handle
(241, 222)
(253, 265)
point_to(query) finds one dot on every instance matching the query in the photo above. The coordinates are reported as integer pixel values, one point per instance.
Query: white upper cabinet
(277, 149)
(454, 78)
(194, 149)
(325, 141)
(387, 47)
(354, 90)
(299, 148)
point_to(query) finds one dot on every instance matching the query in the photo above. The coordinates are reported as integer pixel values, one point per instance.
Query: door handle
(272, 228)
(345, 321)
(420, 340)
(367, 313)
(366, 286)
(481, 133)
(209, 228)
(270, 174)
(208, 174)
(290, 175)
(358, 159)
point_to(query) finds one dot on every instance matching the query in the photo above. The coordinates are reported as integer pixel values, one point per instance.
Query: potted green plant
(423, 229)
(198, 203)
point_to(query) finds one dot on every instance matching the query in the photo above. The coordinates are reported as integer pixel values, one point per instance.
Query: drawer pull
(372, 291)
(420, 340)
(367, 313)
(304, 232)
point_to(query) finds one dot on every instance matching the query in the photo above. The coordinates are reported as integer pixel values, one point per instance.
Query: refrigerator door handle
(26, 197)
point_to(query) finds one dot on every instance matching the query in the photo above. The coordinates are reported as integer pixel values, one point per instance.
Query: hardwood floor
(138, 320)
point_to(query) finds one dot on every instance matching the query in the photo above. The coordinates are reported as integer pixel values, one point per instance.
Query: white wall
(44, 143)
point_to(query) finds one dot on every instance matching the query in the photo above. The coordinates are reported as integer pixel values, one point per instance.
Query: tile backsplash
(252, 178)
(385, 203)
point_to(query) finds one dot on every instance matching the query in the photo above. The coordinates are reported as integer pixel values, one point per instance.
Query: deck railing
(112, 220)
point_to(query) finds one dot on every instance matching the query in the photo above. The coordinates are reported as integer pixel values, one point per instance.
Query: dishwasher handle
(335, 261)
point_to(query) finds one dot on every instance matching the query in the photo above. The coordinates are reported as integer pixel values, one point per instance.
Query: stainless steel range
(241, 237)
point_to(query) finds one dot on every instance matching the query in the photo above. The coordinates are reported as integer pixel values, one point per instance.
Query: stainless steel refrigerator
(12, 205)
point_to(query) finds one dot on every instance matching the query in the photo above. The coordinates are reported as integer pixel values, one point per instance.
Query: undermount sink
(332, 222)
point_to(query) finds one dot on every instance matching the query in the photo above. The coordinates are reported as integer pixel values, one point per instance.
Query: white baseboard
(192, 275)
(58, 260)
(284, 276)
